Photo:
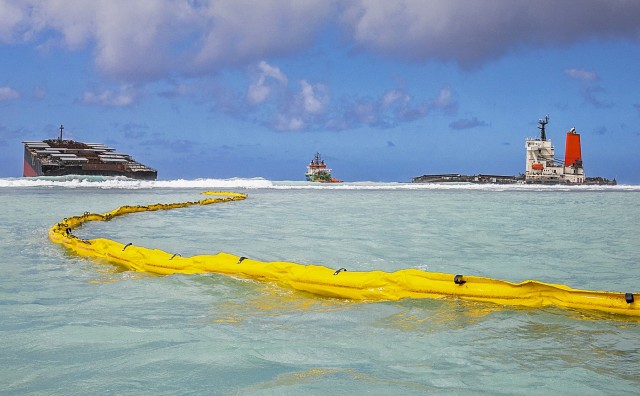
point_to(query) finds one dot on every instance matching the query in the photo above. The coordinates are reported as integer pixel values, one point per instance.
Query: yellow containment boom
(338, 283)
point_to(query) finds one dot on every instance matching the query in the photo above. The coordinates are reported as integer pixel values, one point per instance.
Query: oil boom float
(541, 167)
(329, 282)
(61, 157)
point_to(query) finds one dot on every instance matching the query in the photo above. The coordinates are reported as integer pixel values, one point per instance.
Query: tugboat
(317, 171)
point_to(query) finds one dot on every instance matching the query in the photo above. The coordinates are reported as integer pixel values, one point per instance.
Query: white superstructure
(541, 165)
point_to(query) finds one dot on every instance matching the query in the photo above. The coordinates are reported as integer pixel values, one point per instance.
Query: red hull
(28, 171)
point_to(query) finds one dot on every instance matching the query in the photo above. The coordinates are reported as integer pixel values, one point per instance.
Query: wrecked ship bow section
(61, 157)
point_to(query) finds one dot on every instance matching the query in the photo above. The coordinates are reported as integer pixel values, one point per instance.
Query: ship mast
(541, 125)
(61, 128)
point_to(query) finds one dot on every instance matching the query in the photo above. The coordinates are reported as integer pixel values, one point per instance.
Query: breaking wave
(104, 182)
(118, 182)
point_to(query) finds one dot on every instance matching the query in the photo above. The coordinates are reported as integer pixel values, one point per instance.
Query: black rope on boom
(241, 259)
(339, 270)
(126, 246)
(176, 254)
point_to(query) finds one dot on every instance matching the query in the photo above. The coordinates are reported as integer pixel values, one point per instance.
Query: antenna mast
(541, 125)
(61, 128)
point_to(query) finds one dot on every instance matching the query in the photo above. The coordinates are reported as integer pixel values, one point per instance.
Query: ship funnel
(573, 154)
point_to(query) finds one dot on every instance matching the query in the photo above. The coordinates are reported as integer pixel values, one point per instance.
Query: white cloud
(132, 40)
(259, 91)
(284, 123)
(394, 97)
(126, 96)
(8, 93)
(238, 31)
(149, 40)
(365, 113)
(472, 32)
(273, 72)
(581, 74)
(445, 101)
(11, 16)
(314, 98)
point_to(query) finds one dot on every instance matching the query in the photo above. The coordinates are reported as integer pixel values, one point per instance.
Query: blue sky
(385, 91)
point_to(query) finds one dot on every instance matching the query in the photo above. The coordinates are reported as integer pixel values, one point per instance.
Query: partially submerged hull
(56, 157)
(498, 179)
(541, 166)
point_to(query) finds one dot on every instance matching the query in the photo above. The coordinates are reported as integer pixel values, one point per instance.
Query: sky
(384, 90)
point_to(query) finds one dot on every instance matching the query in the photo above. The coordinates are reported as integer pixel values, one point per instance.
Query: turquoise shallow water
(75, 326)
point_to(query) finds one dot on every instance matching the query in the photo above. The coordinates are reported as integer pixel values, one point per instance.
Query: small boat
(317, 171)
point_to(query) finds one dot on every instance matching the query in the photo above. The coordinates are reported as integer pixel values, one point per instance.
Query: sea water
(75, 326)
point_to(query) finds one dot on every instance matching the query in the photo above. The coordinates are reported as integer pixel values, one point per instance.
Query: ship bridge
(541, 165)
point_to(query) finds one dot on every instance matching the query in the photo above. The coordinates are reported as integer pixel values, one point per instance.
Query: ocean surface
(73, 326)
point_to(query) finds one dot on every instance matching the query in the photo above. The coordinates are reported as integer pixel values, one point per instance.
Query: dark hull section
(498, 179)
(63, 158)
(458, 178)
(75, 170)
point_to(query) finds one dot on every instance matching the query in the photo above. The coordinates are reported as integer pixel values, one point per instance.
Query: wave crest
(105, 182)
(131, 184)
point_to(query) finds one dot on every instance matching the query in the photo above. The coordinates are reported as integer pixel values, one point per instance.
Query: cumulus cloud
(285, 123)
(312, 107)
(393, 107)
(395, 96)
(401, 107)
(131, 41)
(313, 98)
(125, 96)
(446, 101)
(11, 16)
(302, 109)
(239, 31)
(149, 40)
(473, 32)
(8, 93)
(260, 89)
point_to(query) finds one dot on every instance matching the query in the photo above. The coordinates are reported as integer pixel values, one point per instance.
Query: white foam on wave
(260, 183)
(445, 186)
(125, 183)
